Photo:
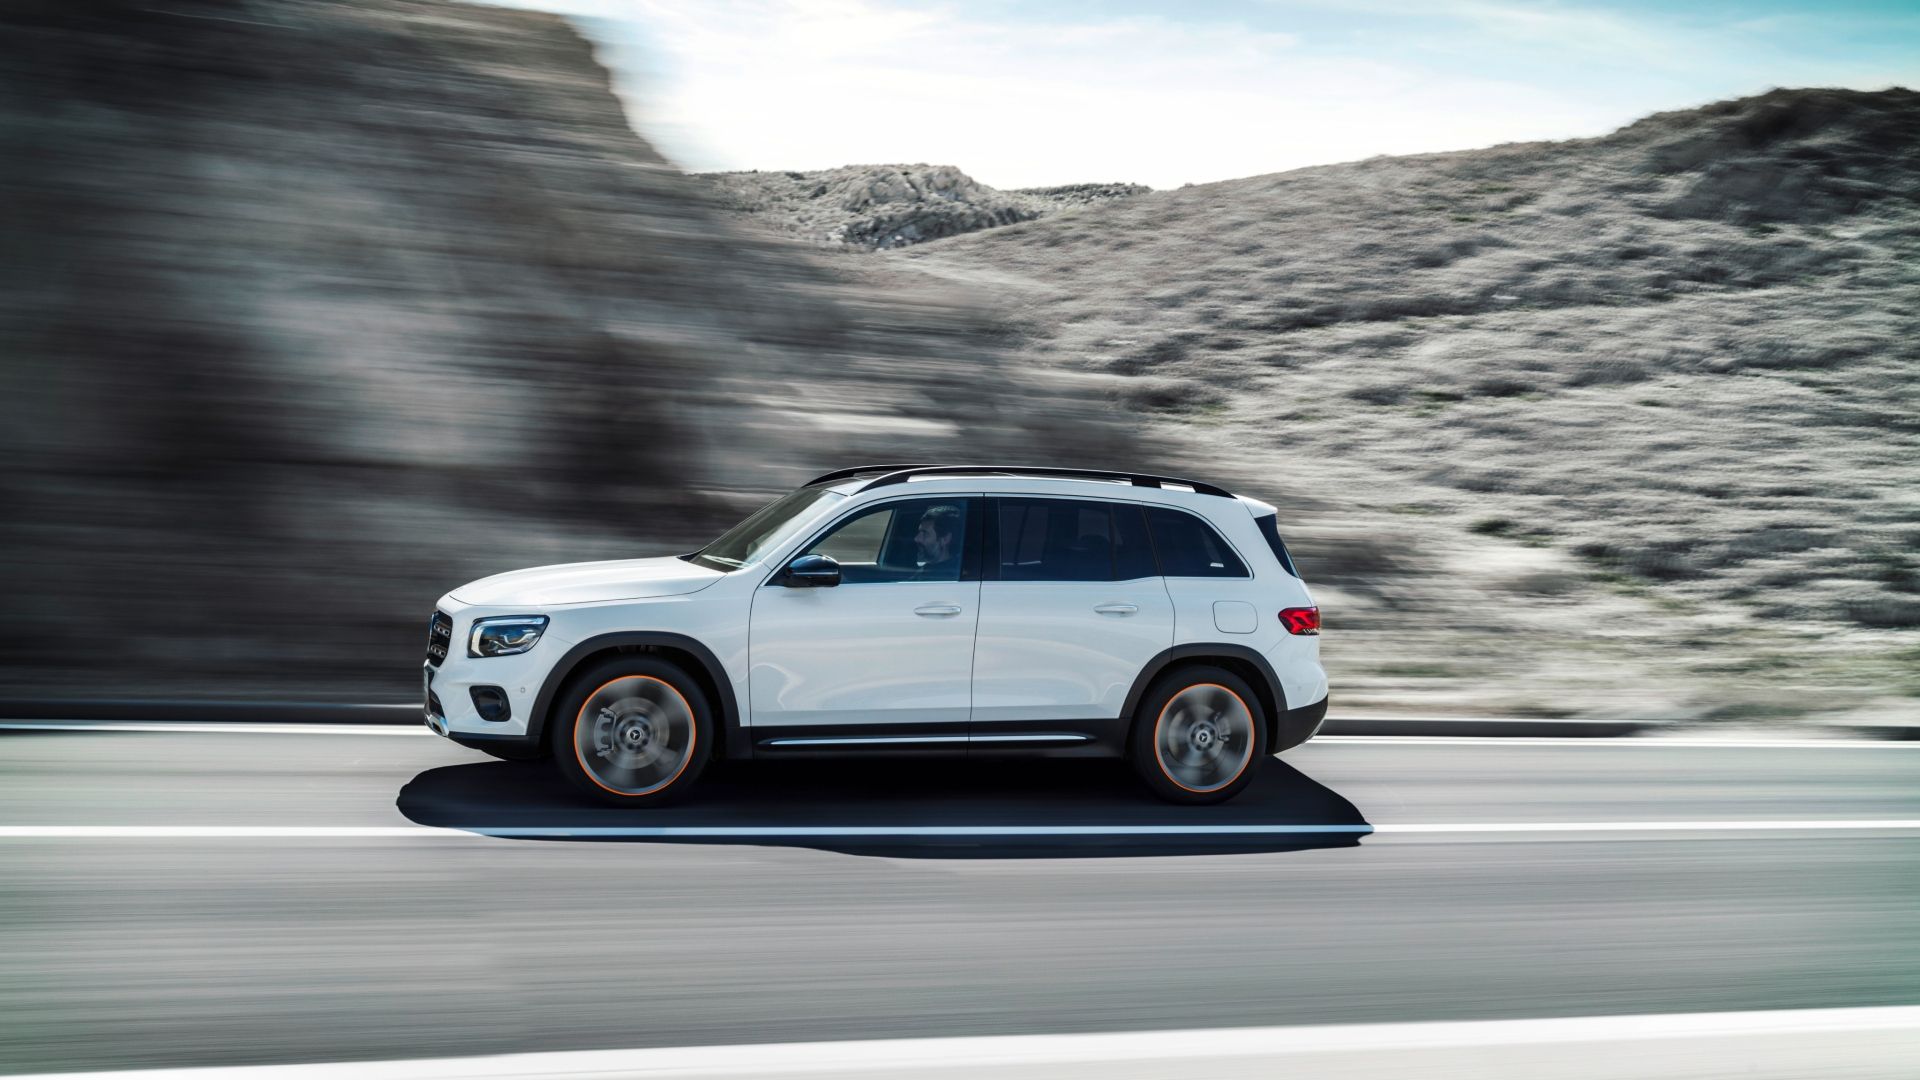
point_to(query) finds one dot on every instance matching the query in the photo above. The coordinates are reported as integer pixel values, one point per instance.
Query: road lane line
(1734, 825)
(1761, 1045)
(228, 832)
(1636, 742)
(167, 727)
(909, 832)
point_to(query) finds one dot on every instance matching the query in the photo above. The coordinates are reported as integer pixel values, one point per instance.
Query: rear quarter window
(1270, 528)
(1188, 546)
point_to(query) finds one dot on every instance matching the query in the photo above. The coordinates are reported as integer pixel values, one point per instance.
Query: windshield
(768, 526)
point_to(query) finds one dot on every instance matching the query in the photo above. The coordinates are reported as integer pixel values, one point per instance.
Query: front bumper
(508, 739)
(514, 747)
(446, 691)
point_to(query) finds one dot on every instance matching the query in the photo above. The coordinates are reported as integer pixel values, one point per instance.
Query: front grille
(439, 637)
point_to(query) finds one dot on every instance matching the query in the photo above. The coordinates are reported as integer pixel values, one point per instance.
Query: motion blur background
(314, 310)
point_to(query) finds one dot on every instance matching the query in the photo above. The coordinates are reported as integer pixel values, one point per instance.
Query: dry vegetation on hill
(891, 206)
(1629, 424)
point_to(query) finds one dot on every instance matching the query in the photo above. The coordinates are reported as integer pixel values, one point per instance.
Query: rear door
(1071, 609)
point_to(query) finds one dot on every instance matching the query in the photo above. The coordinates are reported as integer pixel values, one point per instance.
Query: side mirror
(812, 572)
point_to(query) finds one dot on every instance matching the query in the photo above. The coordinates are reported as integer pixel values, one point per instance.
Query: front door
(885, 655)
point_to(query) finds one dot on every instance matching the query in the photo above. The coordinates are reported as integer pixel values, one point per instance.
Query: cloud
(1570, 30)
(789, 84)
(1018, 98)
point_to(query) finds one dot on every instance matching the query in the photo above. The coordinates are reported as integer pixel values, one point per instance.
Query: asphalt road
(148, 949)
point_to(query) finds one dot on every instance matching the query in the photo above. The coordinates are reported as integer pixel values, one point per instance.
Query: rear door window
(1189, 547)
(1054, 540)
(1132, 550)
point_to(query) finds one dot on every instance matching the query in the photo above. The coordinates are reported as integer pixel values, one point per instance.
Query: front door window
(920, 540)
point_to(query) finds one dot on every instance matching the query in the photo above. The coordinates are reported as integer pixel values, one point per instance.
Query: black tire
(1203, 749)
(632, 731)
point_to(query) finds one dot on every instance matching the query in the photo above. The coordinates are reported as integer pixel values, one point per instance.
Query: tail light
(1301, 620)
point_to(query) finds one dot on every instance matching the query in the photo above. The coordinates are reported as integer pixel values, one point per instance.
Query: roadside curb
(1884, 730)
(316, 712)
(1487, 727)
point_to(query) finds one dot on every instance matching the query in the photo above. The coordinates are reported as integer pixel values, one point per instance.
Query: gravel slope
(890, 206)
(1623, 424)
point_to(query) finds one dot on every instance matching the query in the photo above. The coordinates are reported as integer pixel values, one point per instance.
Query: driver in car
(937, 543)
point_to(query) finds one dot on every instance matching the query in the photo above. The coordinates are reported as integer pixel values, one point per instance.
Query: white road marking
(216, 728)
(1844, 1042)
(1639, 742)
(1652, 826)
(908, 832)
(1429, 718)
(228, 832)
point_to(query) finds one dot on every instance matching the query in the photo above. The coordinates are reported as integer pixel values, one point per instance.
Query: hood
(583, 583)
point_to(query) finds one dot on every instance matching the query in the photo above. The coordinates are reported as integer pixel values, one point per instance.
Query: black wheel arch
(698, 660)
(1239, 659)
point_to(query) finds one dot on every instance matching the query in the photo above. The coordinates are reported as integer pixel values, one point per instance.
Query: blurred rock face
(315, 310)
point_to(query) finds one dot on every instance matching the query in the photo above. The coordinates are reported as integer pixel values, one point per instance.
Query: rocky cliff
(314, 310)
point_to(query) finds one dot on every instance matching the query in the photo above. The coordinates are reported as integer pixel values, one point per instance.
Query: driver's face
(933, 546)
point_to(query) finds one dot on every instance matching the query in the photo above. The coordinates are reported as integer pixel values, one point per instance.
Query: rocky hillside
(1623, 424)
(317, 308)
(891, 206)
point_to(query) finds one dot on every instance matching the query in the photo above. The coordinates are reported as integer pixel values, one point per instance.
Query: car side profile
(903, 609)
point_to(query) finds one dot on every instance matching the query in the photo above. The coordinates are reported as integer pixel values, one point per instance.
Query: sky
(1021, 94)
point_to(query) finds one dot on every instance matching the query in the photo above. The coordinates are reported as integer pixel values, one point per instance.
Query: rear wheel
(632, 731)
(1197, 735)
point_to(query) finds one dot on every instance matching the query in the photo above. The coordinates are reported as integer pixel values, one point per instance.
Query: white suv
(904, 609)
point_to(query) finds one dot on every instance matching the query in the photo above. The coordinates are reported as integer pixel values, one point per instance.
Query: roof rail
(900, 474)
(848, 474)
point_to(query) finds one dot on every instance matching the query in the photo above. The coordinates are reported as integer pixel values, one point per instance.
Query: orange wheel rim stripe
(693, 738)
(1252, 738)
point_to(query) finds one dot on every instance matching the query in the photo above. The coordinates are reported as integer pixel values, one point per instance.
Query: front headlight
(505, 636)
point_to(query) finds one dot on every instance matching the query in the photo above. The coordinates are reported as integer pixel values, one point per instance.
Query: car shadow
(917, 808)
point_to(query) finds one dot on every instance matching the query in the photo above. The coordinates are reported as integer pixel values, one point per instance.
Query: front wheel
(633, 731)
(1197, 735)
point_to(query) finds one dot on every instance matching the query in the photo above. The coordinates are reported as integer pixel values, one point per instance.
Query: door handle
(937, 611)
(1116, 609)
